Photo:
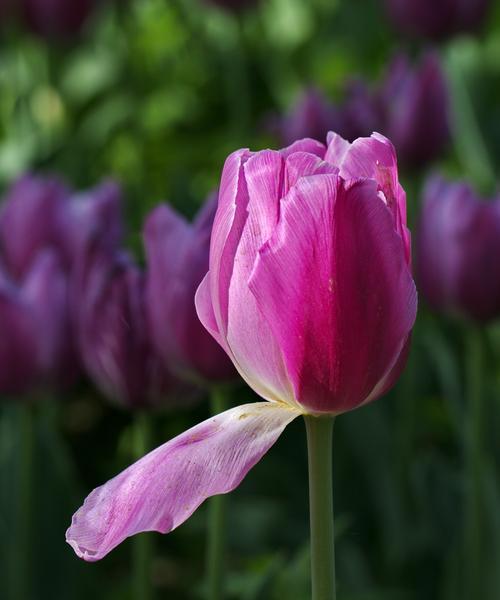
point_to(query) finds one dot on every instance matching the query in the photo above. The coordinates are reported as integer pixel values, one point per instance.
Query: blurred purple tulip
(112, 332)
(416, 101)
(19, 366)
(29, 221)
(40, 213)
(312, 116)
(46, 290)
(437, 19)
(458, 247)
(177, 260)
(56, 19)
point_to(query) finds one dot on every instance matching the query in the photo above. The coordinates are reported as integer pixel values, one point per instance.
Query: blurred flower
(311, 116)
(177, 260)
(29, 221)
(112, 332)
(437, 19)
(36, 348)
(417, 109)
(458, 249)
(55, 19)
(410, 106)
(39, 213)
(310, 293)
(19, 367)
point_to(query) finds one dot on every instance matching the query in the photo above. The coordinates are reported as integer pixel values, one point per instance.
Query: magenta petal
(160, 491)
(340, 303)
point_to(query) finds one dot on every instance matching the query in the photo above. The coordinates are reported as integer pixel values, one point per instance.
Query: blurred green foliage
(156, 94)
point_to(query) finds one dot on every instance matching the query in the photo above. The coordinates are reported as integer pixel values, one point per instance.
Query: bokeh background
(155, 94)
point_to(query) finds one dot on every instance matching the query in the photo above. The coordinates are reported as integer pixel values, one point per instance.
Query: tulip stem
(319, 447)
(473, 461)
(143, 543)
(216, 545)
(22, 559)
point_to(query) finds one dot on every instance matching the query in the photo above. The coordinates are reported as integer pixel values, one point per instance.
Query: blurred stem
(143, 543)
(22, 566)
(466, 132)
(319, 447)
(216, 545)
(473, 534)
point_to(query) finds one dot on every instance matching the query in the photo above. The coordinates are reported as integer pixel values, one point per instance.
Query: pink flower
(310, 293)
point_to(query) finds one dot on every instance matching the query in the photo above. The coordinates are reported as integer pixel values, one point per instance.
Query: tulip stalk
(142, 548)
(473, 534)
(319, 447)
(216, 545)
(22, 558)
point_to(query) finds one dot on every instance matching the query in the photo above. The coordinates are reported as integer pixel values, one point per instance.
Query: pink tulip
(310, 293)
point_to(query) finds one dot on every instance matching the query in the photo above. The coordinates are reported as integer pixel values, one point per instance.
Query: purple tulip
(310, 293)
(29, 221)
(417, 109)
(437, 19)
(177, 260)
(112, 331)
(458, 247)
(56, 19)
(312, 116)
(19, 365)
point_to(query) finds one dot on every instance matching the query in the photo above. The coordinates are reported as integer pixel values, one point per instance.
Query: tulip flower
(311, 116)
(18, 347)
(177, 260)
(417, 109)
(458, 242)
(29, 221)
(310, 293)
(437, 19)
(112, 332)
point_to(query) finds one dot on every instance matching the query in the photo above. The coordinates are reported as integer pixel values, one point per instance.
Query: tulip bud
(45, 289)
(417, 119)
(95, 212)
(458, 246)
(19, 367)
(112, 331)
(437, 19)
(29, 221)
(56, 19)
(311, 116)
(177, 260)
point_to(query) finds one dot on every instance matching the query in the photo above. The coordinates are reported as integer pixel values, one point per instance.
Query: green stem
(319, 447)
(473, 534)
(143, 543)
(216, 545)
(22, 566)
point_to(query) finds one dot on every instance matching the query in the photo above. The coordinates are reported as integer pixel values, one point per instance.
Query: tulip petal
(340, 302)
(160, 491)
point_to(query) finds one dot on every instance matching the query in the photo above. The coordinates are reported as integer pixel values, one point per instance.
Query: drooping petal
(341, 300)
(160, 491)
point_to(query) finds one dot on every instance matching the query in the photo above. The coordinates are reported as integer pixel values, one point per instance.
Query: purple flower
(112, 331)
(437, 19)
(458, 248)
(311, 116)
(177, 260)
(310, 293)
(417, 109)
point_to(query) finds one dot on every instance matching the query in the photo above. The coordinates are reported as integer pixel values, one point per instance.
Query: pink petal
(306, 145)
(160, 491)
(336, 291)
